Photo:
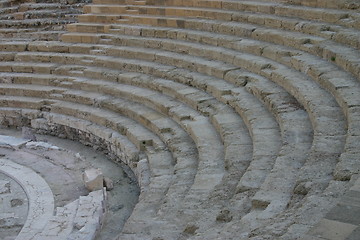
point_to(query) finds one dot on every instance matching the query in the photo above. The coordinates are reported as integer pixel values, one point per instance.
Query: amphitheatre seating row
(230, 112)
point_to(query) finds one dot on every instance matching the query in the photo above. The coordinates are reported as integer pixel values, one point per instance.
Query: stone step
(6, 13)
(18, 35)
(81, 219)
(108, 9)
(90, 215)
(333, 51)
(346, 36)
(337, 33)
(30, 6)
(88, 27)
(49, 14)
(337, 16)
(297, 133)
(13, 46)
(75, 2)
(118, 2)
(34, 36)
(302, 42)
(61, 225)
(98, 18)
(138, 134)
(342, 4)
(39, 6)
(5, 3)
(7, 56)
(31, 23)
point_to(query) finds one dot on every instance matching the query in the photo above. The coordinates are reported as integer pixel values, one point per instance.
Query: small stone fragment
(16, 202)
(79, 157)
(93, 179)
(302, 188)
(4, 187)
(108, 184)
(191, 229)
(224, 216)
(41, 145)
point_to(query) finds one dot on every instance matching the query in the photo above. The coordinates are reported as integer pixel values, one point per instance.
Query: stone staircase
(239, 118)
(81, 219)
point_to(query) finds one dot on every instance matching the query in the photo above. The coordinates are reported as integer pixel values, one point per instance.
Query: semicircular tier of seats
(240, 118)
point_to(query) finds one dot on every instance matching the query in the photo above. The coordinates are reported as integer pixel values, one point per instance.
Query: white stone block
(93, 179)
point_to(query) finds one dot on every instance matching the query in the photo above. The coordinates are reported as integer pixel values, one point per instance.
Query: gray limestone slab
(345, 213)
(355, 235)
(7, 141)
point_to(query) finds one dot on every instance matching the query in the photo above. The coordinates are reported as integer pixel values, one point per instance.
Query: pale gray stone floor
(13, 207)
(62, 170)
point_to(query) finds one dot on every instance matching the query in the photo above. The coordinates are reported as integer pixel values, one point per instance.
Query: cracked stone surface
(13, 207)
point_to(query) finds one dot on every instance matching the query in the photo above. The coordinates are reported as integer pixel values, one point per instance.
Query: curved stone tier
(240, 119)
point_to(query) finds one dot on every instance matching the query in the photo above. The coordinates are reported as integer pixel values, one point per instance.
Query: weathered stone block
(93, 179)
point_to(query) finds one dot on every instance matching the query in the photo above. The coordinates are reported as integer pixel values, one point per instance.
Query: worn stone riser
(336, 33)
(340, 17)
(316, 46)
(31, 23)
(217, 4)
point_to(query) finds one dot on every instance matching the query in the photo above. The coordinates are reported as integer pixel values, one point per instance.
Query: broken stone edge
(40, 196)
